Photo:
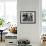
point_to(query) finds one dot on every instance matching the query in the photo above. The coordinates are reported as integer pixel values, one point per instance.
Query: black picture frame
(27, 17)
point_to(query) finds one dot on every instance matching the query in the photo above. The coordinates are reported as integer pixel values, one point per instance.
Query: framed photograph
(27, 17)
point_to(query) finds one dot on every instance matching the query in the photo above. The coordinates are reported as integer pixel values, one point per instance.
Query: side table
(1, 34)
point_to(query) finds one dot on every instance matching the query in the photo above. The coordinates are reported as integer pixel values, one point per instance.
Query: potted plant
(1, 22)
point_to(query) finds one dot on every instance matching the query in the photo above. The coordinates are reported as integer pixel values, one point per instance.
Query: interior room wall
(29, 31)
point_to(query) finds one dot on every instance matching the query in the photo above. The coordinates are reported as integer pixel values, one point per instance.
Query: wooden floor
(2, 43)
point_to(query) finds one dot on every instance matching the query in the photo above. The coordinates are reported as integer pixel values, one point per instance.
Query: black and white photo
(27, 17)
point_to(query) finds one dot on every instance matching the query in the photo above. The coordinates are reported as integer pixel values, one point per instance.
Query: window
(11, 11)
(44, 16)
(44, 10)
(8, 11)
(1, 8)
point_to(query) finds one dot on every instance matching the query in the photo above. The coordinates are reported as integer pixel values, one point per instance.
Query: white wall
(29, 31)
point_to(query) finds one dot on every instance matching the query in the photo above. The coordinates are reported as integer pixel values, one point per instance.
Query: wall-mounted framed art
(27, 17)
